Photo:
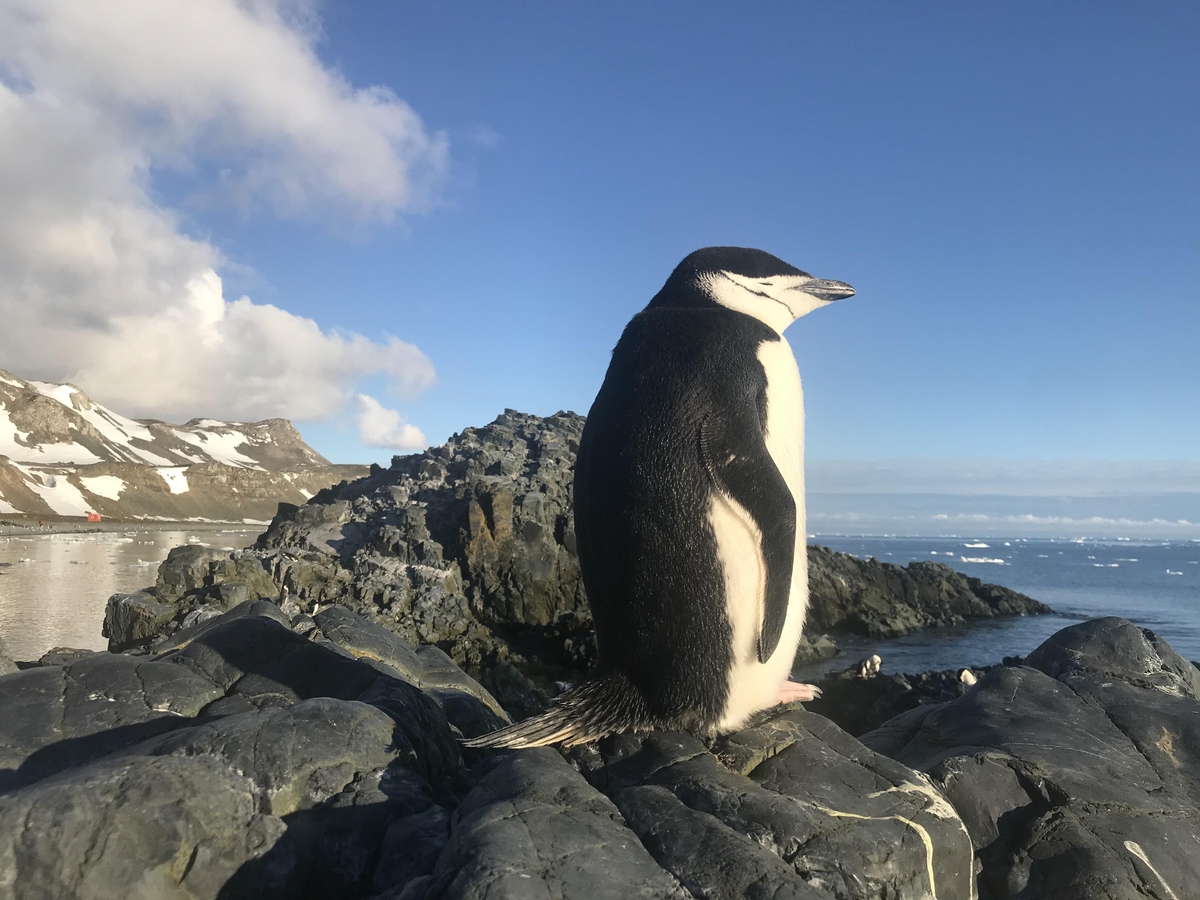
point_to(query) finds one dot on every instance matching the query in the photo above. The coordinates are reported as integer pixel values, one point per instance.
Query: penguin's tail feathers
(587, 712)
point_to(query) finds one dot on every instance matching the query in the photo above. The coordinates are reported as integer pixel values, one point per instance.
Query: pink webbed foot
(791, 692)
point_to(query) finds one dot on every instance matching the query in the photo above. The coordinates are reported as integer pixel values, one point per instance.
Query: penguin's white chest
(754, 685)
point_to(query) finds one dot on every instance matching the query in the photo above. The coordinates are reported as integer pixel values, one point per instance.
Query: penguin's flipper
(737, 459)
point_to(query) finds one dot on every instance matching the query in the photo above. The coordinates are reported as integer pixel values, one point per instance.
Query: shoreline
(19, 526)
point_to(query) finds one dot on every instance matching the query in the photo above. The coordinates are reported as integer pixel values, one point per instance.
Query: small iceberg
(1169, 572)
(978, 546)
(981, 559)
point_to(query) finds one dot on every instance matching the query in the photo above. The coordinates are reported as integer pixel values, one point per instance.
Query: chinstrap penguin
(689, 508)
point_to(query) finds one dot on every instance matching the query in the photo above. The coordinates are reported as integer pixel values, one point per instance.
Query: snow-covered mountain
(63, 454)
(58, 424)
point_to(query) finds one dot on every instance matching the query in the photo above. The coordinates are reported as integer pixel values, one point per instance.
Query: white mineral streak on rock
(1135, 848)
(938, 806)
(920, 830)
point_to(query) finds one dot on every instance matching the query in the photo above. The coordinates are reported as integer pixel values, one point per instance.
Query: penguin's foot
(791, 692)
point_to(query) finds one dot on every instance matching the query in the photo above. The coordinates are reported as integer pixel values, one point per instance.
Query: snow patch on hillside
(60, 392)
(175, 478)
(108, 486)
(59, 494)
(44, 454)
(220, 445)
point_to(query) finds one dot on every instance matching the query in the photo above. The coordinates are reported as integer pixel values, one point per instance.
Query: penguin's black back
(642, 498)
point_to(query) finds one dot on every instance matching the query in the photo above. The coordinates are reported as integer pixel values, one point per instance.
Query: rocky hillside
(62, 454)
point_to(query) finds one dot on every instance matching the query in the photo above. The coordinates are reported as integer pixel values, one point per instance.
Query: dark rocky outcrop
(861, 702)
(311, 757)
(471, 546)
(245, 760)
(260, 753)
(1074, 773)
(885, 600)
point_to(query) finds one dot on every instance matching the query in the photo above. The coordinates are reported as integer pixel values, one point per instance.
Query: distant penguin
(689, 508)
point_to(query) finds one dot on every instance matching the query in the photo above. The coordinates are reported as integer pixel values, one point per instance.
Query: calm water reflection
(53, 587)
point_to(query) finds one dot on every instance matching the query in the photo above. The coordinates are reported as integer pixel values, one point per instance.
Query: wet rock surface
(1074, 773)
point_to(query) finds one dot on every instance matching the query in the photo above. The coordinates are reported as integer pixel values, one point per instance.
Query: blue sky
(1012, 189)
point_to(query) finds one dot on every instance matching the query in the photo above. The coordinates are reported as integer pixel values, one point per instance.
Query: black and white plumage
(689, 508)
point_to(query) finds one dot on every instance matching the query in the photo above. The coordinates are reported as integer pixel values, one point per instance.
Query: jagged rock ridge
(471, 546)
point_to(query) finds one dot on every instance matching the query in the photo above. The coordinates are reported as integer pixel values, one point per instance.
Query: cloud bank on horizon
(99, 282)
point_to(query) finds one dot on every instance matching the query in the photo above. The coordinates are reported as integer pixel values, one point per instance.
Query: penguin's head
(749, 281)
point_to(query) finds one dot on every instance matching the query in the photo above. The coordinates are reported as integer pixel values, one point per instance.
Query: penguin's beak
(826, 290)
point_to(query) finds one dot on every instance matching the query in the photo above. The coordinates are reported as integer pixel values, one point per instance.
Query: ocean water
(1155, 584)
(54, 587)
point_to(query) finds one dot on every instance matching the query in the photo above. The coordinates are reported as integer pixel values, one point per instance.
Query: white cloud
(100, 284)
(379, 426)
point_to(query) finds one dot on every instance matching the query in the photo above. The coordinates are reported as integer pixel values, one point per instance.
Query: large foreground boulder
(1076, 774)
(257, 754)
